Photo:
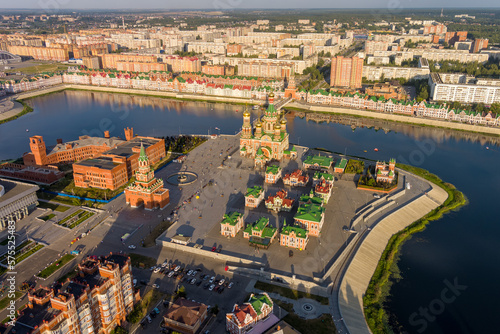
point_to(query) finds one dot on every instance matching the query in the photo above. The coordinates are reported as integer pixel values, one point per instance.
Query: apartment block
(346, 72)
(40, 53)
(95, 301)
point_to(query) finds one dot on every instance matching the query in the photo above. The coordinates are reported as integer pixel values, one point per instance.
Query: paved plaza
(199, 218)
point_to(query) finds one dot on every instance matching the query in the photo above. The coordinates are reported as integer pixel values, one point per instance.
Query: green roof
(310, 198)
(299, 232)
(231, 219)
(254, 191)
(326, 176)
(260, 224)
(268, 232)
(341, 164)
(310, 212)
(322, 161)
(257, 301)
(293, 149)
(273, 169)
(142, 156)
(243, 149)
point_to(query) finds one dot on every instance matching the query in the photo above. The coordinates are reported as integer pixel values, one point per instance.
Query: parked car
(221, 289)
(212, 279)
(199, 283)
(132, 247)
(177, 268)
(230, 285)
(221, 281)
(156, 310)
(214, 249)
(148, 318)
(193, 281)
(211, 287)
(206, 286)
(152, 314)
(376, 195)
(156, 286)
(170, 274)
(157, 270)
(134, 281)
(164, 264)
(190, 273)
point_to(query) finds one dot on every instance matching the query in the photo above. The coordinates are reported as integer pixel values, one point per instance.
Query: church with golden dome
(268, 140)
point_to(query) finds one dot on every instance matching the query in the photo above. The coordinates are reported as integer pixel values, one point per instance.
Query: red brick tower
(39, 150)
(129, 133)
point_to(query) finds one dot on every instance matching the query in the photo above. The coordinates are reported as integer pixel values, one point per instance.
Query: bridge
(8, 58)
(280, 104)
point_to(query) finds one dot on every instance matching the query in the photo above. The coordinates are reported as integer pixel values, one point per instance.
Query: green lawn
(18, 249)
(27, 254)
(354, 167)
(56, 266)
(70, 274)
(4, 302)
(321, 325)
(138, 259)
(74, 214)
(52, 206)
(141, 309)
(289, 293)
(45, 218)
(36, 69)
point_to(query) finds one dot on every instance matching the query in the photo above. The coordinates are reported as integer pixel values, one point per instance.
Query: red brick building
(146, 190)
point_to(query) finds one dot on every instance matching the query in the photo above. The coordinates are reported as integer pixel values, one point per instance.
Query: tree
(215, 309)
(181, 291)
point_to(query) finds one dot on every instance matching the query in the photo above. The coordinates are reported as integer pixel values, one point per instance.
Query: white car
(190, 273)
(211, 287)
(164, 264)
(221, 281)
(376, 195)
(212, 279)
(132, 247)
(177, 268)
(170, 274)
(135, 281)
(157, 270)
(193, 281)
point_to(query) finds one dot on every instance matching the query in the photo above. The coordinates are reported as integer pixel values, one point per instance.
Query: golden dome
(271, 94)
(246, 113)
(283, 121)
(277, 126)
(258, 125)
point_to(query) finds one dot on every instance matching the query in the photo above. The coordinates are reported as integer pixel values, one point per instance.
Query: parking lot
(206, 286)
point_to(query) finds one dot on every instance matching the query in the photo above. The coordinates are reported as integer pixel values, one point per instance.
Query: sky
(239, 4)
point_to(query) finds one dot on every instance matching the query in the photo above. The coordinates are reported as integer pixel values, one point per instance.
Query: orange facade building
(346, 72)
(96, 301)
(104, 163)
(40, 52)
(146, 190)
(111, 60)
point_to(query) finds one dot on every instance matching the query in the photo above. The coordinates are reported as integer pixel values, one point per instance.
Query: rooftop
(273, 169)
(231, 218)
(186, 311)
(86, 141)
(341, 163)
(255, 191)
(299, 232)
(15, 190)
(310, 212)
(101, 162)
(322, 161)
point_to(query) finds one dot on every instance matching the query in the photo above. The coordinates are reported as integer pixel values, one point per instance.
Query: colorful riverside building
(269, 140)
(324, 190)
(104, 163)
(279, 202)
(297, 178)
(259, 233)
(340, 166)
(254, 196)
(318, 162)
(231, 224)
(385, 172)
(146, 189)
(310, 217)
(95, 301)
(245, 317)
(273, 174)
(294, 237)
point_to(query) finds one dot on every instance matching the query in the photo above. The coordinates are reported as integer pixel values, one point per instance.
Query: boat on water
(487, 148)
(27, 130)
(375, 149)
(365, 151)
(255, 107)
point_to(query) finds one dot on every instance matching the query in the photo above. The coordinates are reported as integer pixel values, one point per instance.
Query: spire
(284, 222)
(142, 156)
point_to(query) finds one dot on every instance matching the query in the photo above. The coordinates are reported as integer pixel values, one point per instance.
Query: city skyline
(239, 4)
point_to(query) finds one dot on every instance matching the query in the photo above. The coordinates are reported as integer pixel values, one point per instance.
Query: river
(449, 271)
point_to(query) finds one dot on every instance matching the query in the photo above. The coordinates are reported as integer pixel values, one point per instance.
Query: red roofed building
(245, 317)
(296, 179)
(279, 202)
(324, 190)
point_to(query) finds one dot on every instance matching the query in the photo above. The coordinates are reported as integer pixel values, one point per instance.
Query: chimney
(59, 141)
(106, 134)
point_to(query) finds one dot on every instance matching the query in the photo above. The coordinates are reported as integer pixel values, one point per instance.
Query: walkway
(9, 108)
(304, 307)
(365, 261)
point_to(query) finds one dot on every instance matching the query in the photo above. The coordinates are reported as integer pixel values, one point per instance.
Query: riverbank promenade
(365, 261)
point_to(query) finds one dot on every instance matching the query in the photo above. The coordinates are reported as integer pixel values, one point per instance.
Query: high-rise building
(479, 44)
(95, 301)
(346, 72)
